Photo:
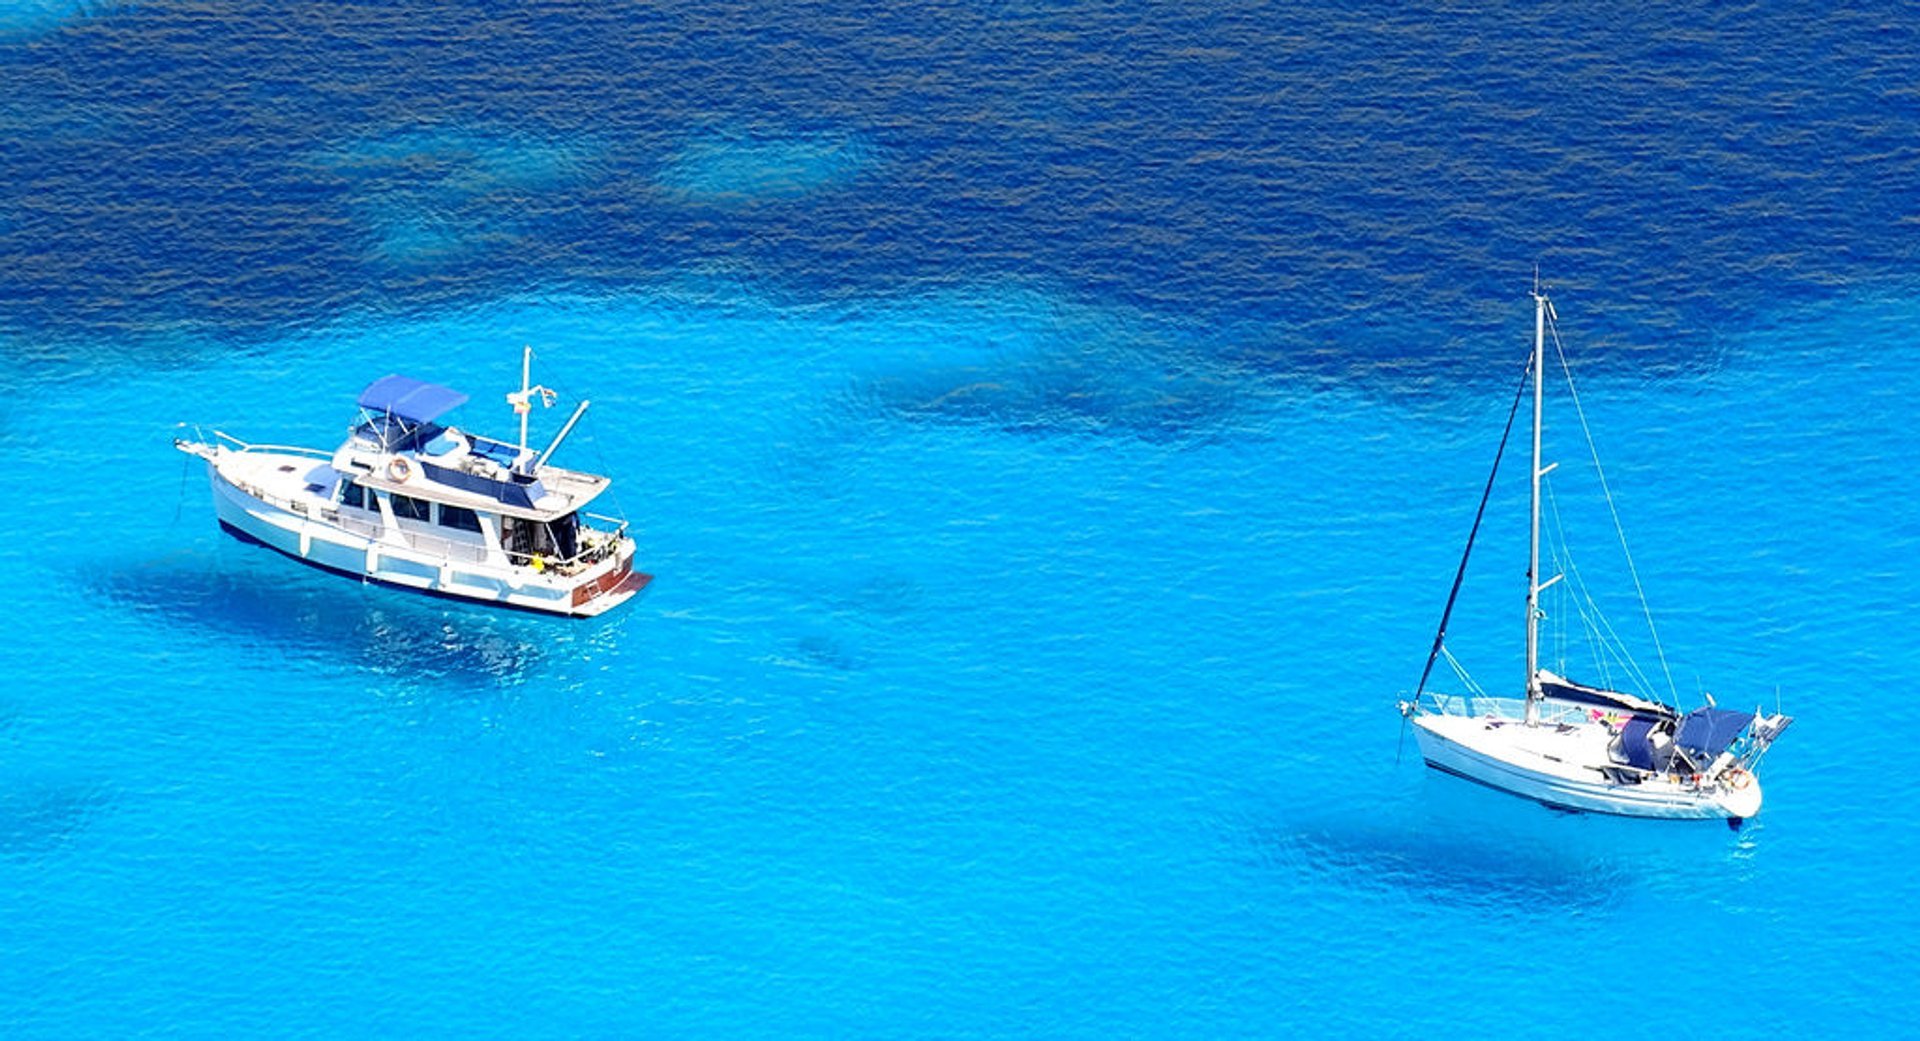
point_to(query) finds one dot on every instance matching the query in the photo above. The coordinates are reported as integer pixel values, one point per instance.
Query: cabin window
(459, 517)
(353, 495)
(406, 507)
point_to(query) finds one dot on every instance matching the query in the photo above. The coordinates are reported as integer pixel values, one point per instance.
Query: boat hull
(1555, 765)
(302, 530)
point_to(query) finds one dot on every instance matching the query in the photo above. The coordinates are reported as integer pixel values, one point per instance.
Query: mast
(1533, 542)
(524, 405)
(522, 402)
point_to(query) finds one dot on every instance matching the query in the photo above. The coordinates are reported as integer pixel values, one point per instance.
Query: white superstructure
(408, 502)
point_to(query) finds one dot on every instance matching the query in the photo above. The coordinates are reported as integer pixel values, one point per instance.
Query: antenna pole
(1533, 542)
(524, 405)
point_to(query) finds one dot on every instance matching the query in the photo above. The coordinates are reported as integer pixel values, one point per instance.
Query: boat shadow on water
(327, 621)
(1439, 866)
(1476, 848)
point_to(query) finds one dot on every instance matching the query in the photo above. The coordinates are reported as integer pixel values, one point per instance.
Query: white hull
(264, 496)
(1562, 765)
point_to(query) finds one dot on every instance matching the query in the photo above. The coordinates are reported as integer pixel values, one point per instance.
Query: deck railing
(1511, 708)
(419, 541)
(596, 543)
(243, 446)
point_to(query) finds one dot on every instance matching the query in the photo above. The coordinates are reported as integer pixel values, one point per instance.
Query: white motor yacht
(408, 502)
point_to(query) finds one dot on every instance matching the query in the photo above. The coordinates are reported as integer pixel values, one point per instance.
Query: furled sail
(1559, 688)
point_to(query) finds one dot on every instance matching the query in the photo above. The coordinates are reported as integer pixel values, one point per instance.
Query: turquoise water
(926, 727)
(1037, 567)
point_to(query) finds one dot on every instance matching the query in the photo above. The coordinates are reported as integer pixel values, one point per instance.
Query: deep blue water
(1052, 427)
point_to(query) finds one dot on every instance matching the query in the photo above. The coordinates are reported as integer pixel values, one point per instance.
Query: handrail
(1511, 707)
(589, 555)
(245, 446)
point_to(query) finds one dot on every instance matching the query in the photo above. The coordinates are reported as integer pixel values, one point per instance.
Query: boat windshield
(392, 433)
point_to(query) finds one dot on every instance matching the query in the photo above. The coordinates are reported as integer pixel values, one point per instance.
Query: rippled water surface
(1052, 426)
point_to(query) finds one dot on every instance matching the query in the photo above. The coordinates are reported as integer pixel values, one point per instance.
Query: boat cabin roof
(415, 401)
(554, 494)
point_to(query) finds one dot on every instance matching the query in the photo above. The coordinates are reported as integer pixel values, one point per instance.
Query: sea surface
(1053, 427)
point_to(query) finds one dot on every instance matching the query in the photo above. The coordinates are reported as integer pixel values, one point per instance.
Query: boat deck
(1567, 764)
(1565, 749)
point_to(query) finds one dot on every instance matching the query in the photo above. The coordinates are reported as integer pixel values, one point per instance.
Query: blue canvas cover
(1634, 744)
(1706, 732)
(519, 492)
(415, 401)
(498, 451)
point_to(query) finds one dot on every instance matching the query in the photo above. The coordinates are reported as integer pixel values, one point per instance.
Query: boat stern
(613, 587)
(1739, 794)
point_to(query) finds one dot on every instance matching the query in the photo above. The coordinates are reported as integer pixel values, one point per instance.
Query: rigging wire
(588, 428)
(1459, 576)
(1604, 642)
(1473, 686)
(1639, 590)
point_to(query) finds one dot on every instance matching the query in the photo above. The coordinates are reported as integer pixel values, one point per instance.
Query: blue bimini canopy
(410, 399)
(1706, 732)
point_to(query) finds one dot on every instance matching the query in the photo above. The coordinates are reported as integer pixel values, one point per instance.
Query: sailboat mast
(1533, 542)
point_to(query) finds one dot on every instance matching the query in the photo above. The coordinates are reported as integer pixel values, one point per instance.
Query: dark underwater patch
(37, 818)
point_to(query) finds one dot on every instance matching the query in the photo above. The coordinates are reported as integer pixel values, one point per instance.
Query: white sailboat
(1585, 748)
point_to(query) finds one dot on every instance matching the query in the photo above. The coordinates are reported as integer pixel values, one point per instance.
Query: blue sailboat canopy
(1707, 732)
(1635, 743)
(412, 400)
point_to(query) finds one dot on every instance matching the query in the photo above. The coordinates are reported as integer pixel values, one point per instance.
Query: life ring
(399, 469)
(1737, 779)
(538, 563)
